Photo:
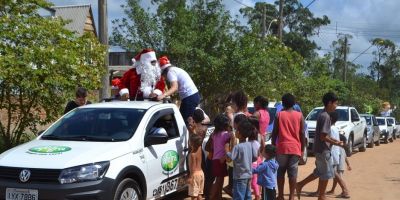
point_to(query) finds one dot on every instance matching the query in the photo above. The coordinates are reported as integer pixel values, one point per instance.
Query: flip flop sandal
(344, 196)
(312, 194)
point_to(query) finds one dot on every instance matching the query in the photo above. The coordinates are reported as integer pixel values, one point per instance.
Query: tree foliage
(41, 63)
(222, 55)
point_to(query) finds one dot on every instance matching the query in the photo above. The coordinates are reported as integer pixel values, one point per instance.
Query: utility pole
(264, 15)
(345, 59)
(280, 28)
(103, 35)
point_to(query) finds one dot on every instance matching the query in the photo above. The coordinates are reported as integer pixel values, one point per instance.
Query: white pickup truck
(110, 151)
(350, 124)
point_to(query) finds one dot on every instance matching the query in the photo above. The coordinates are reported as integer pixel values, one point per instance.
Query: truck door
(164, 170)
(358, 132)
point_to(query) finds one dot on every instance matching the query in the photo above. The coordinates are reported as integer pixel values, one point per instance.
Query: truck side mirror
(156, 136)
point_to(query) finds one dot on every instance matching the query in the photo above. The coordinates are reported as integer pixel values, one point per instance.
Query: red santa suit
(141, 80)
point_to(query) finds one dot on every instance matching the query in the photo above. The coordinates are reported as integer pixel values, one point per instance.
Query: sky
(363, 19)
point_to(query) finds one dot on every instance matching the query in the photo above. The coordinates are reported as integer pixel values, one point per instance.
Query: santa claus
(145, 76)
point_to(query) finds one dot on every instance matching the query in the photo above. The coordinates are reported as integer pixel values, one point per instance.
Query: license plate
(170, 186)
(311, 140)
(21, 194)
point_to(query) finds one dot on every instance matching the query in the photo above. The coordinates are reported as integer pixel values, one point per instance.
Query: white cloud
(364, 19)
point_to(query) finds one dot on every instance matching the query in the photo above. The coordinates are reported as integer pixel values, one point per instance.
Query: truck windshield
(96, 124)
(368, 119)
(380, 121)
(343, 114)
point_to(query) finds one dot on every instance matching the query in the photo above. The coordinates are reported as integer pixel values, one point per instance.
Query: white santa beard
(149, 75)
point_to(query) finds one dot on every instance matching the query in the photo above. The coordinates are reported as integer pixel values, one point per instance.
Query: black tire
(128, 189)
(350, 146)
(378, 143)
(363, 148)
(394, 136)
(372, 143)
(391, 139)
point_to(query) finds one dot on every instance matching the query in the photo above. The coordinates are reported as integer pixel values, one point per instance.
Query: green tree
(41, 63)
(220, 55)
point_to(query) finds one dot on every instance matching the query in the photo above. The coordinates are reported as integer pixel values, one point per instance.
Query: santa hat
(145, 56)
(164, 62)
(123, 91)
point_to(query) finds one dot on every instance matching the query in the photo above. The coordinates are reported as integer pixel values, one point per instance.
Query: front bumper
(93, 190)
(384, 135)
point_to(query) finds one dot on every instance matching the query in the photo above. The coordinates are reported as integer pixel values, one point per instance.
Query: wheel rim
(129, 194)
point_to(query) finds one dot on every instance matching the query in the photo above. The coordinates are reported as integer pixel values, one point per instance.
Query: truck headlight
(90, 172)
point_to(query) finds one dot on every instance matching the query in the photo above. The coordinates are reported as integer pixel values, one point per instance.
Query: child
(256, 147)
(261, 113)
(236, 121)
(242, 156)
(340, 170)
(267, 172)
(335, 159)
(220, 139)
(196, 179)
(196, 125)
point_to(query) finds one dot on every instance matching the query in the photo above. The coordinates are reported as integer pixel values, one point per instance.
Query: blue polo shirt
(267, 172)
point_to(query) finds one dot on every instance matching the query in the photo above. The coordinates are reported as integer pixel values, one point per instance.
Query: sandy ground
(375, 175)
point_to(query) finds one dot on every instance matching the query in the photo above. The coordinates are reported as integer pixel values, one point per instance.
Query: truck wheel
(391, 139)
(363, 147)
(377, 143)
(303, 159)
(371, 144)
(128, 189)
(394, 136)
(350, 146)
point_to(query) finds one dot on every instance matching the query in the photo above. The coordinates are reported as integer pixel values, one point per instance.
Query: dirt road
(375, 175)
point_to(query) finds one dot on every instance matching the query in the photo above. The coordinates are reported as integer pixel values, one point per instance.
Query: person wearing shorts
(197, 185)
(196, 178)
(289, 139)
(322, 143)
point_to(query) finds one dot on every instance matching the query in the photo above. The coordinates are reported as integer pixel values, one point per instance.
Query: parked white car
(386, 130)
(114, 150)
(397, 128)
(350, 124)
(392, 126)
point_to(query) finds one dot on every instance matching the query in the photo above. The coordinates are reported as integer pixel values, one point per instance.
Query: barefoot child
(196, 179)
(340, 171)
(267, 172)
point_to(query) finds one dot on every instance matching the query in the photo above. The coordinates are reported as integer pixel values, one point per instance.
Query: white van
(114, 150)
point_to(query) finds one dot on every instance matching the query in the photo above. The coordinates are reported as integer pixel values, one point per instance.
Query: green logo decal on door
(169, 161)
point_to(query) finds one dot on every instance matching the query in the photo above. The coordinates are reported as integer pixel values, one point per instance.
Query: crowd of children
(237, 149)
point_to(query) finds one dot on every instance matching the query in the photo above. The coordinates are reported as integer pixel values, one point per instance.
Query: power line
(351, 52)
(243, 4)
(362, 53)
(310, 3)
